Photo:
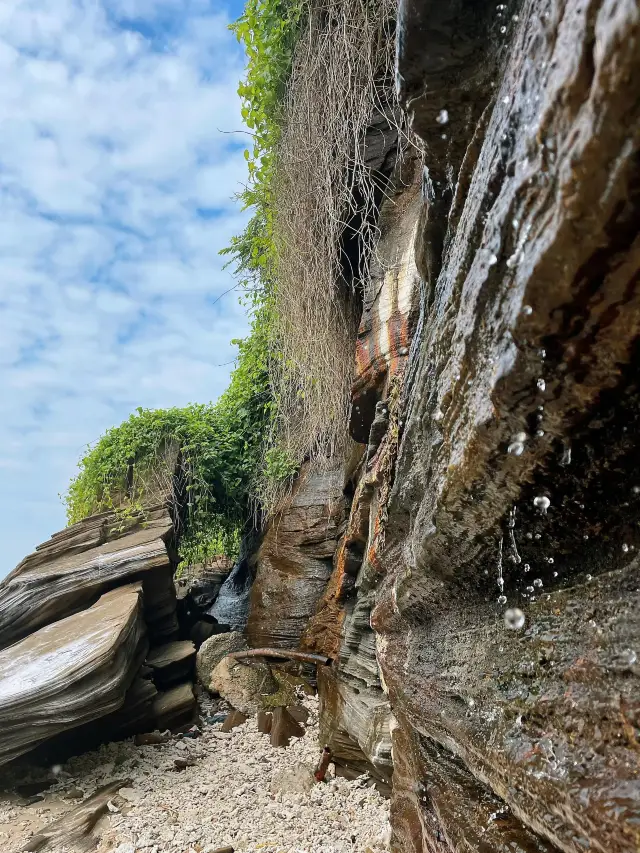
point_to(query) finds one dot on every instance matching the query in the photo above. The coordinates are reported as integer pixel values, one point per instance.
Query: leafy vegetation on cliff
(220, 449)
(315, 76)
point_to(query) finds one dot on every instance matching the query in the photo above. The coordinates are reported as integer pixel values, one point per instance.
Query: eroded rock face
(522, 389)
(90, 628)
(294, 560)
(500, 464)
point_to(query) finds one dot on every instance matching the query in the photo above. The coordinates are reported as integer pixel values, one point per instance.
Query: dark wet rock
(172, 662)
(522, 384)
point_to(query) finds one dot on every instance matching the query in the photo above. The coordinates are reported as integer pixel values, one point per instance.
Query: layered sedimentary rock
(499, 461)
(71, 672)
(518, 456)
(294, 559)
(78, 619)
(69, 572)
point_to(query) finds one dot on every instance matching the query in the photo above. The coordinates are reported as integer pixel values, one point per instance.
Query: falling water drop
(541, 384)
(527, 567)
(527, 310)
(537, 582)
(514, 618)
(502, 599)
(443, 117)
(516, 448)
(542, 503)
(625, 548)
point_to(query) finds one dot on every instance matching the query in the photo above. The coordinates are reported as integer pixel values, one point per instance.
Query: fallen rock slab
(74, 829)
(71, 672)
(172, 662)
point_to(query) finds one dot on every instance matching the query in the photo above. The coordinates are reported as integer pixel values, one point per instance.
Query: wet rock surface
(516, 465)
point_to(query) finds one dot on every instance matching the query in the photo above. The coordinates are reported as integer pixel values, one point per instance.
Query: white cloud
(115, 197)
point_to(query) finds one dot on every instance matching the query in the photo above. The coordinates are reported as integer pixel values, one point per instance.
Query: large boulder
(213, 650)
(243, 686)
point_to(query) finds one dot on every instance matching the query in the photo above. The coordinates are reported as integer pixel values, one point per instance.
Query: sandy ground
(223, 797)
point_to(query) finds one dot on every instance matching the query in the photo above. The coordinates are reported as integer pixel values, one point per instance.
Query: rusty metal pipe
(284, 654)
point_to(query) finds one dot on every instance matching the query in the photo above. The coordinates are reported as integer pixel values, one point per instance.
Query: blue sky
(116, 194)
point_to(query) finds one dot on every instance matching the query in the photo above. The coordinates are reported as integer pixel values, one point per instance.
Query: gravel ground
(223, 798)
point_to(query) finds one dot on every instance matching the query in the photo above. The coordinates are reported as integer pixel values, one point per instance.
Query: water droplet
(555, 574)
(537, 582)
(527, 567)
(502, 599)
(503, 29)
(443, 117)
(628, 657)
(586, 536)
(625, 548)
(589, 578)
(527, 310)
(542, 503)
(56, 769)
(550, 560)
(636, 490)
(540, 433)
(542, 353)
(530, 589)
(538, 536)
(516, 448)
(541, 384)
(514, 618)
(529, 535)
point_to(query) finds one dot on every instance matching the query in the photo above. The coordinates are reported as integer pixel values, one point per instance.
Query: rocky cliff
(470, 565)
(481, 611)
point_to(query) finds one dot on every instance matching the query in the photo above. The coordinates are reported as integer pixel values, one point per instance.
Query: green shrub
(220, 447)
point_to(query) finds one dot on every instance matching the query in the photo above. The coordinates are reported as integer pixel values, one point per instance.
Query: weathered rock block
(71, 672)
(243, 686)
(295, 560)
(214, 650)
